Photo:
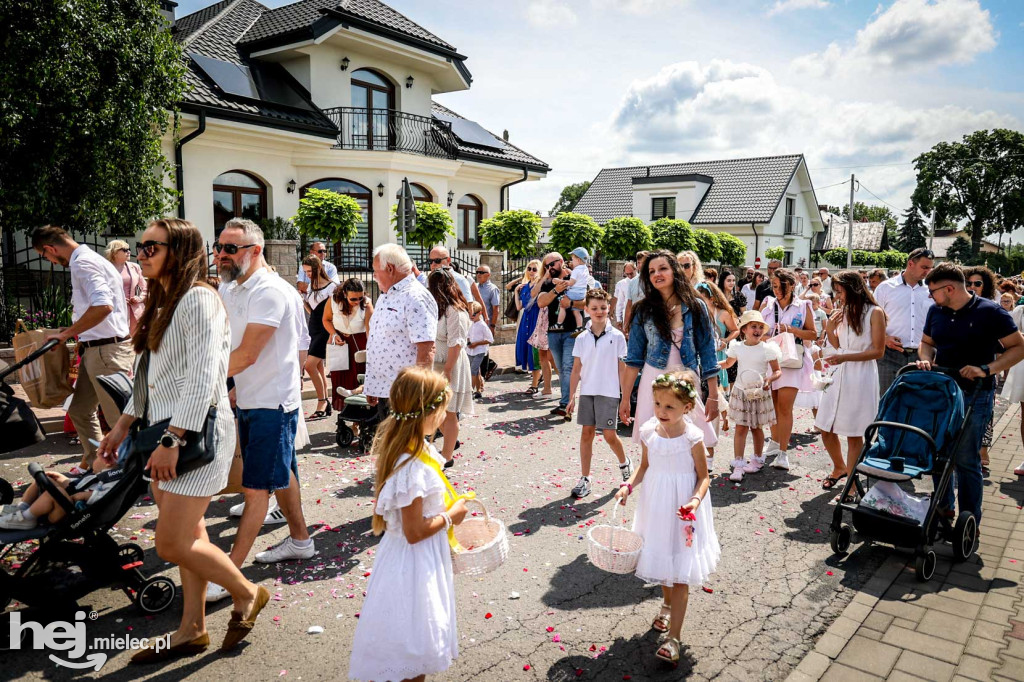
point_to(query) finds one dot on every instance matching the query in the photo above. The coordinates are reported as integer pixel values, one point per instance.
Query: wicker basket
(484, 542)
(612, 548)
(821, 379)
(752, 390)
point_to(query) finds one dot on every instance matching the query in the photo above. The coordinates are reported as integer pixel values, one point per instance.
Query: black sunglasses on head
(148, 248)
(230, 249)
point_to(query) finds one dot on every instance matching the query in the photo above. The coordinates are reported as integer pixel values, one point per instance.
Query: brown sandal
(239, 628)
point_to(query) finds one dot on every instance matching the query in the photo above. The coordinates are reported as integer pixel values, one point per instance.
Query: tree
(979, 180)
(623, 237)
(570, 196)
(87, 90)
(706, 246)
(959, 251)
(569, 230)
(914, 233)
(775, 253)
(836, 257)
(513, 231)
(327, 215)
(433, 224)
(734, 251)
(867, 213)
(673, 235)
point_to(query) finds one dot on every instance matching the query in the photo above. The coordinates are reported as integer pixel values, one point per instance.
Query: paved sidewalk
(967, 623)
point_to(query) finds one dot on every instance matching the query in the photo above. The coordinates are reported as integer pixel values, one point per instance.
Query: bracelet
(447, 520)
(698, 498)
(627, 485)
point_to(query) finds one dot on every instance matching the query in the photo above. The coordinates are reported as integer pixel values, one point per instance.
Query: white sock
(27, 515)
(302, 543)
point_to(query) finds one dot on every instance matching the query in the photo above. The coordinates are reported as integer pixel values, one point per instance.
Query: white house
(333, 94)
(767, 202)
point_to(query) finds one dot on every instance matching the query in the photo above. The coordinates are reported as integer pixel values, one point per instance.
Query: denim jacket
(646, 345)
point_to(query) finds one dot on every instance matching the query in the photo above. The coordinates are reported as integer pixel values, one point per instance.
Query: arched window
(354, 254)
(237, 194)
(373, 98)
(420, 193)
(471, 212)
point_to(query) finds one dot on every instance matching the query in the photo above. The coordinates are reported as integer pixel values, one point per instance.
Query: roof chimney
(167, 10)
(504, 135)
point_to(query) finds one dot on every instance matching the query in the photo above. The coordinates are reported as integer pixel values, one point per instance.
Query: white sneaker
(736, 475)
(239, 508)
(711, 464)
(737, 463)
(274, 518)
(284, 551)
(15, 521)
(781, 462)
(215, 593)
(753, 466)
(770, 447)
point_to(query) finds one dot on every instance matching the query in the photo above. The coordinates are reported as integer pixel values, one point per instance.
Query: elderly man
(621, 297)
(100, 321)
(826, 282)
(906, 302)
(404, 325)
(441, 258)
(764, 289)
(561, 337)
(490, 296)
(319, 250)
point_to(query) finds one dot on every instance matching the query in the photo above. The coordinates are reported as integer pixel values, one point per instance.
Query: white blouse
(348, 324)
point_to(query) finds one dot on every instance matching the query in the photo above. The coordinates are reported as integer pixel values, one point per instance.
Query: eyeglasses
(230, 249)
(931, 292)
(125, 250)
(435, 261)
(482, 272)
(687, 266)
(148, 249)
(975, 283)
(531, 269)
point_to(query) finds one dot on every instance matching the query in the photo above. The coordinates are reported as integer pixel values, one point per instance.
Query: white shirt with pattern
(402, 317)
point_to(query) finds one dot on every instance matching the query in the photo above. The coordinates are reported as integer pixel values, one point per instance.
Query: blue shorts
(267, 438)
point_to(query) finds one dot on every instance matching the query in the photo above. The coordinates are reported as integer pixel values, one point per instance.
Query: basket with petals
(484, 543)
(752, 385)
(821, 378)
(612, 548)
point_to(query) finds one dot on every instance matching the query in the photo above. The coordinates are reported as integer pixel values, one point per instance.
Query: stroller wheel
(840, 539)
(925, 566)
(965, 536)
(345, 436)
(129, 553)
(6, 492)
(155, 595)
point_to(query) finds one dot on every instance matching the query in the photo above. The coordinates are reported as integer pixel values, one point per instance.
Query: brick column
(281, 254)
(616, 270)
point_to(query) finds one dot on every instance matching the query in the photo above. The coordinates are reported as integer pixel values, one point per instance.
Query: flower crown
(673, 382)
(429, 407)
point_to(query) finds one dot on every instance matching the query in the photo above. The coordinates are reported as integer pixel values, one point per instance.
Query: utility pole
(849, 228)
(931, 235)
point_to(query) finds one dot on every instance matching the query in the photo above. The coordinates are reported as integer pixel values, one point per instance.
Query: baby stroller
(358, 411)
(920, 422)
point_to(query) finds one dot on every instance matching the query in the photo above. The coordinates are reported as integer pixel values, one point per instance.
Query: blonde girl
(683, 551)
(406, 629)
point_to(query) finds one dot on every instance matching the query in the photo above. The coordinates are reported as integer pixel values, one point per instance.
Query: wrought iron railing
(794, 225)
(390, 130)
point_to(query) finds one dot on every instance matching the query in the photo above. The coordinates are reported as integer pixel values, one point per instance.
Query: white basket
(484, 542)
(821, 379)
(751, 391)
(612, 548)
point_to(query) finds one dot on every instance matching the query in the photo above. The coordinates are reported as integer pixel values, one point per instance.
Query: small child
(578, 282)
(480, 337)
(410, 597)
(673, 514)
(820, 316)
(597, 359)
(82, 490)
(750, 414)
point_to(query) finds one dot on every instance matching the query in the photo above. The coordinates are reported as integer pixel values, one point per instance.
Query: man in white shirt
(905, 300)
(268, 391)
(621, 297)
(634, 292)
(441, 258)
(319, 250)
(100, 321)
(826, 282)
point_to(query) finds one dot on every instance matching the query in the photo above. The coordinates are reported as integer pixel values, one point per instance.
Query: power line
(865, 187)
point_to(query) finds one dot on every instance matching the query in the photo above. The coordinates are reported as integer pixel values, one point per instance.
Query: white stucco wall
(687, 196)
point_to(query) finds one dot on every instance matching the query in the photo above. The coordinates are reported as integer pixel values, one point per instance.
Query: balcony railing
(794, 225)
(388, 130)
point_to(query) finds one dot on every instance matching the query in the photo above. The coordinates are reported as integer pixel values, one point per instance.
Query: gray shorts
(597, 410)
(475, 361)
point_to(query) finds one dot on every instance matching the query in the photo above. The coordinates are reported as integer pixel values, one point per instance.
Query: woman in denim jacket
(670, 330)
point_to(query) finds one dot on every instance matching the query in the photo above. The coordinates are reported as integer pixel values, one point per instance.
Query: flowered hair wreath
(429, 407)
(676, 382)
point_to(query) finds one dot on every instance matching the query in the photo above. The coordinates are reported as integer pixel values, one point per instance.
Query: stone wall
(281, 254)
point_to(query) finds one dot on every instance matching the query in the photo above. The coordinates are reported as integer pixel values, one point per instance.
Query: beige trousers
(97, 362)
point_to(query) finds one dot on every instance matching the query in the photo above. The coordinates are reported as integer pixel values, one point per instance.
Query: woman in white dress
(856, 340)
(1013, 387)
(450, 358)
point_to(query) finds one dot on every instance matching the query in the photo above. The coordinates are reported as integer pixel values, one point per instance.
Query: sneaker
(78, 471)
(582, 488)
(284, 551)
(478, 395)
(237, 509)
(626, 469)
(736, 475)
(215, 593)
(770, 447)
(274, 518)
(558, 411)
(753, 466)
(781, 462)
(1019, 471)
(15, 521)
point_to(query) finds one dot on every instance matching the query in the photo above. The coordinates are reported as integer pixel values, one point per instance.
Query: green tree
(836, 257)
(867, 213)
(327, 215)
(959, 251)
(914, 233)
(623, 237)
(513, 231)
(673, 235)
(569, 230)
(570, 196)
(706, 246)
(433, 224)
(775, 253)
(87, 90)
(734, 251)
(979, 180)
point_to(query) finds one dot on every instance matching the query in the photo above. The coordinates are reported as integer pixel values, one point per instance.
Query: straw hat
(751, 316)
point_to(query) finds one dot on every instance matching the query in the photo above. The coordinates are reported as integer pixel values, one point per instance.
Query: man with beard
(560, 336)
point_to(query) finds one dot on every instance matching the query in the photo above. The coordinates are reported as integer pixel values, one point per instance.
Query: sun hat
(751, 316)
(580, 253)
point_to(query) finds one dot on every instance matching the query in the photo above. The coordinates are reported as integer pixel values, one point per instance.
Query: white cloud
(641, 7)
(910, 34)
(781, 6)
(549, 13)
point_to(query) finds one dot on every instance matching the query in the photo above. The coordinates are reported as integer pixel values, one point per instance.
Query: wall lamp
(409, 81)
(291, 187)
(451, 198)
(344, 64)
(380, 189)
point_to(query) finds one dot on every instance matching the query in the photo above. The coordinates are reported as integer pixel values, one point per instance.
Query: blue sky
(857, 86)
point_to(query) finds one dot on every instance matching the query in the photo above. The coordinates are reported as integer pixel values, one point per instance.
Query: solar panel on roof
(471, 132)
(233, 79)
(260, 81)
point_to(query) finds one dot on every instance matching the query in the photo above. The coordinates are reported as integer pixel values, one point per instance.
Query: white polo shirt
(273, 380)
(95, 281)
(599, 361)
(402, 317)
(621, 295)
(906, 309)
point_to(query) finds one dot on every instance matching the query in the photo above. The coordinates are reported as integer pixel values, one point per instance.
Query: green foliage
(733, 250)
(623, 237)
(914, 232)
(327, 215)
(279, 228)
(433, 224)
(674, 235)
(775, 253)
(891, 259)
(1008, 263)
(861, 258)
(569, 230)
(835, 257)
(570, 196)
(706, 246)
(959, 251)
(86, 88)
(513, 231)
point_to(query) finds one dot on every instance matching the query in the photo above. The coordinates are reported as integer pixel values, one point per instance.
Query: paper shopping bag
(235, 477)
(45, 379)
(337, 357)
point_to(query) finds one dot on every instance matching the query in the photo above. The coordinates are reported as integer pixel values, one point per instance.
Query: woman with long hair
(347, 321)
(692, 268)
(120, 254)
(450, 357)
(526, 291)
(315, 299)
(184, 344)
(670, 330)
(727, 284)
(726, 329)
(856, 341)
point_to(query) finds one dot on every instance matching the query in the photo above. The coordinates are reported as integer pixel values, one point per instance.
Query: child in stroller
(38, 505)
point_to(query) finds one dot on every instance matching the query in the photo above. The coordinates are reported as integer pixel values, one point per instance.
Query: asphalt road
(547, 613)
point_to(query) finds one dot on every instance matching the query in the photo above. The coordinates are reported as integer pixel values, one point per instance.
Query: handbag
(337, 357)
(199, 448)
(511, 311)
(791, 349)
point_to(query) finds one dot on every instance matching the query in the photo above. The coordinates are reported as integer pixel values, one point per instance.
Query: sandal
(669, 650)
(319, 414)
(661, 621)
(831, 481)
(532, 390)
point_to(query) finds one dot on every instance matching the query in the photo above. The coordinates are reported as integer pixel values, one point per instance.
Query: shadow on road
(631, 658)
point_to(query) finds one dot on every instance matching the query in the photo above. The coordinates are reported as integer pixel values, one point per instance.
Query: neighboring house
(944, 239)
(333, 94)
(867, 236)
(767, 202)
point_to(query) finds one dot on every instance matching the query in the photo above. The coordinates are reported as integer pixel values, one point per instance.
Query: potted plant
(706, 246)
(329, 216)
(733, 250)
(775, 253)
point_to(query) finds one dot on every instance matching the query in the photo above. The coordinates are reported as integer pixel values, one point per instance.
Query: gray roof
(867, 236)
(742, 191)
(510, 155)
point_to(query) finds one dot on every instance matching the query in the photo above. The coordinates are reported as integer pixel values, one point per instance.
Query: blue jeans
(967, 472)
(561, 345)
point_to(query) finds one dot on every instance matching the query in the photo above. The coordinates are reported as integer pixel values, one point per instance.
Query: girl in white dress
(673, 513)
(1013, 388)
(856, 340)
(406, 629)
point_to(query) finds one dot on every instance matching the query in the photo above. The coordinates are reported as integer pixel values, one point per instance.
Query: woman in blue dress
(526, 302)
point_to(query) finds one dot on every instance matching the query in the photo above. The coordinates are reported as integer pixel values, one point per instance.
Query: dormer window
(663, 207)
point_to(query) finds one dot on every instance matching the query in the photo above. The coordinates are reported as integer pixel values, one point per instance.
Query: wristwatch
(986, 370)
(171, 440)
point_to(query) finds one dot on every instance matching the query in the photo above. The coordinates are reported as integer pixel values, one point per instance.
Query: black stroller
(358, 411)
(917, 431)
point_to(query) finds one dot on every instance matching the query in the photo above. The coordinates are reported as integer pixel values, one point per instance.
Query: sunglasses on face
(148, 248)
(435, 261)
(125, 250)
(322, 251)
(357, 299)
(816, 285)
(975, 283)
(531, 269)
(687, 266)
(482, 272)
(230, 249)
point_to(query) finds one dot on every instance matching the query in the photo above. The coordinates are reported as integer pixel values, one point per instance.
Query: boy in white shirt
(480, 337)
(597, 360)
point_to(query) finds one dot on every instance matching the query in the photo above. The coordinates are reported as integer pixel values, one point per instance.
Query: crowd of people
(681, 351)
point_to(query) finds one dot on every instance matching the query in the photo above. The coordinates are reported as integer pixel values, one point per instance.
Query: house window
(787, 259)
(354, 254)
(663, 207)
(237, 194)
(471, 212)
(420, 193)
(373, 98)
